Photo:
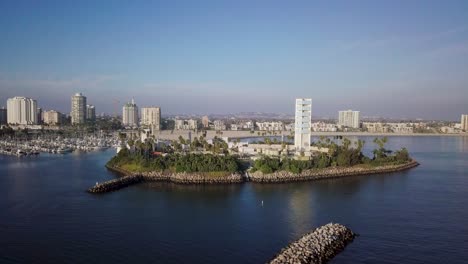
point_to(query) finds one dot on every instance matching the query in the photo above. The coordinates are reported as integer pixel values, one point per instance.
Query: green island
(200, 161)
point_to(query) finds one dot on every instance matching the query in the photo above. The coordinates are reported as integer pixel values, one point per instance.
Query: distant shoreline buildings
(78, 109)
(464, 123)
(22, 111)
(130, 114)
(349, 118)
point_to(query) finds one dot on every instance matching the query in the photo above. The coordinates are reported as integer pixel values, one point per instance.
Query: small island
(217, 161)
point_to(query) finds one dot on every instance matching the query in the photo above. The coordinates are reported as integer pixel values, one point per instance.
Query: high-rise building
(303, 123)
(90, 112)
(464, 122)
(3, 116)
(151, 117)
(39, 115)
(205, 121)
(130, 114)
(78, 108)
(21, 111)
(348, 118)
(52, 117)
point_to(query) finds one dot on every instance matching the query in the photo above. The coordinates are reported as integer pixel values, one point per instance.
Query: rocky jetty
(116, 184)
(129, 178)
(318, 246)
(334, 172)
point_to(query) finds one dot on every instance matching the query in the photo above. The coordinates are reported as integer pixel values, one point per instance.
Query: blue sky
(385, 58)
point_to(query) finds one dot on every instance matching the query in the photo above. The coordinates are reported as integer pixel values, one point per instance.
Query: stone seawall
(130, 178)
(307, 175)
(318, 246)
(116, 184)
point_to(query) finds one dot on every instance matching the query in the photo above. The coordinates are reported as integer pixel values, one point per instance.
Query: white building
(348, 118)
(90, 112)
(464, 123)
(323, 127)
(22, 111)
(190, 124)
(130, 114)
(270, 126)
(303, 120)
(151, 117)
(219, 125)
(52, 117)
(78, 108)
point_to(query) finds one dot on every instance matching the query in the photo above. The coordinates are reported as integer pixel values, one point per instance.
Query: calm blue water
(418, 216)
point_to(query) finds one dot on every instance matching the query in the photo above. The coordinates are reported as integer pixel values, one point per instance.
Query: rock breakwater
(334, 172)
(129, 178)
(318, 246)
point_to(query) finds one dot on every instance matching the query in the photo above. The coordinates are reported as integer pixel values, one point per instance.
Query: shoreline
(130, 178)
(210, 134)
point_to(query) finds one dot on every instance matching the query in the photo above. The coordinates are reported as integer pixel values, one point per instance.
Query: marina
(57, 145)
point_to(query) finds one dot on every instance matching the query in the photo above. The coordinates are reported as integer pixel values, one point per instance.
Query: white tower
(303, 122)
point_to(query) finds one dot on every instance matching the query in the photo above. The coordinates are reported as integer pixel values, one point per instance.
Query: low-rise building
(270, 126)
(323, 127)
(219, 125)
(190, 124)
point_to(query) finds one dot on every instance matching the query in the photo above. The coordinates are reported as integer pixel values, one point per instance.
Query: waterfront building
(90, 112)
(303, 120)
(151, 117)
(464, 123)
(249, 125)
(190, 124)
(22, 111)
(205, 122)
(130, 114)
(52, 117)
(78, 109)
(219, 125)
(323, 127)
(270, 126)
(234, 127)
(348, 118)
(3, 116)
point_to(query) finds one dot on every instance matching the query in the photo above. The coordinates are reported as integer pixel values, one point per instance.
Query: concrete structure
(52, 117)
(90, 112)
(219, 125)
(303, 121)
(3, 116)
(464, 123)
(130, 114)
(78, 109)
(270, 126)
(205, 122)
(151, 117)
(348, 118)
(22, 111)
(190, 124)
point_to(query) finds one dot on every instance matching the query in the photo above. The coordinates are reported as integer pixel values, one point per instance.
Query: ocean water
(416, 216)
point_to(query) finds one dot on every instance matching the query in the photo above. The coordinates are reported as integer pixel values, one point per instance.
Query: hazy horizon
(393, 59)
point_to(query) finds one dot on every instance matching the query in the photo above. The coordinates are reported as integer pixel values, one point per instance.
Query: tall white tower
(303, 123)
(78, 108)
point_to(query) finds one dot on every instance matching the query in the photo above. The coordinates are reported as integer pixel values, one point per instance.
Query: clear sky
(384, 58)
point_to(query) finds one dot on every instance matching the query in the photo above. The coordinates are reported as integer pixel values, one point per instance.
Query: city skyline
(224, 58)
